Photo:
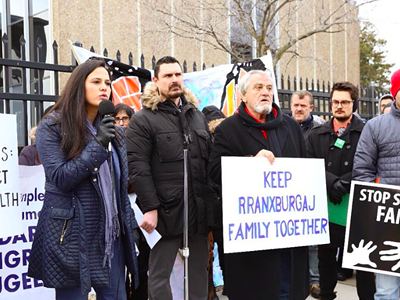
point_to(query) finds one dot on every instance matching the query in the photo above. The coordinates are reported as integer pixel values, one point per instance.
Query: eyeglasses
(123, 119)
(344, 103)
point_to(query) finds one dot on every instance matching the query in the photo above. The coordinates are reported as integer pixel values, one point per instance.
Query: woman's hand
(106, 131)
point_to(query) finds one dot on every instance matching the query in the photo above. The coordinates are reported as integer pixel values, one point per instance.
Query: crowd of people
(87, 234)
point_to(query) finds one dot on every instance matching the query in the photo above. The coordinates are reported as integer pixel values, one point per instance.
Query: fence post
(153, 62)
(142, 61)
(6, 74)
(22, 43)
(194, 67)
(55, 56)
(130, 58)
(184, 66)
(371, 96)
(39, 45)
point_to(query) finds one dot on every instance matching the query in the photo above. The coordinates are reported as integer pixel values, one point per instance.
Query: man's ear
(312, 107)
(155, 79)
(242, 97)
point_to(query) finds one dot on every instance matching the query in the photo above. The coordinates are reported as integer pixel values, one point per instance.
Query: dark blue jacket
(68, 247)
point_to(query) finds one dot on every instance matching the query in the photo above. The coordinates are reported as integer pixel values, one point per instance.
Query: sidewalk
(346, 290)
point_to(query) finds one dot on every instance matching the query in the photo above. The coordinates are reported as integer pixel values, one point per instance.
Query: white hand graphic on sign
(391, 254)
(360, 255)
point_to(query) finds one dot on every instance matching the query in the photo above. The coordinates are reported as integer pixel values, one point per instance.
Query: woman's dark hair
(123, 107)
(71, 108)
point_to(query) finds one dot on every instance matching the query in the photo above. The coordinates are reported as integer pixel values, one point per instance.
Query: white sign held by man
(273, 206)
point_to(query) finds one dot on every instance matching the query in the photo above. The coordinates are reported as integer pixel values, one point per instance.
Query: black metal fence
(368, 97)
(15, 87)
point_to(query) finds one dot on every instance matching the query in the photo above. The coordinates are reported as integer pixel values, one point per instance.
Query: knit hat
(212, 112)
(395, 82)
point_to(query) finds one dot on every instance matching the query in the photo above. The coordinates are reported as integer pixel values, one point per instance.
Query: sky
(385, 15)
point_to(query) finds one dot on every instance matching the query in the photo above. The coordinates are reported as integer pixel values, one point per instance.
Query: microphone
(106, 108)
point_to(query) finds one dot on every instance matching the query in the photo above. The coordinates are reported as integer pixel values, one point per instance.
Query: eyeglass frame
(124, 119)
(343, 103)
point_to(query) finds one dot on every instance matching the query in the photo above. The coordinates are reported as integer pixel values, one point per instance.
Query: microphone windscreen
(106, 107)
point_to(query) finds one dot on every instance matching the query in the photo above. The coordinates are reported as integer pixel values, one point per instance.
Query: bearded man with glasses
(336, 142)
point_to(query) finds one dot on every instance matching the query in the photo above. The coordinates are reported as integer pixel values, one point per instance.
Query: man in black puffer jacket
(156, 137)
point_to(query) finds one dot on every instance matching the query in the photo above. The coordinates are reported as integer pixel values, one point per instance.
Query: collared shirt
(340, 129)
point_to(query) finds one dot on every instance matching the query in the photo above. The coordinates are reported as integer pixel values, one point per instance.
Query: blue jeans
(313, 260)
(103, 293)
(387, 287)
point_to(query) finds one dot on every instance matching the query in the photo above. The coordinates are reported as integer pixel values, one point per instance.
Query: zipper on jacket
(63, 231)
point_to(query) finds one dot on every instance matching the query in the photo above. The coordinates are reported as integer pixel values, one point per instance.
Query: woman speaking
(85, 233)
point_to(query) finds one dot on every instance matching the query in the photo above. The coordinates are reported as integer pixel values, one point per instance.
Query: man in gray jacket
(377, 156)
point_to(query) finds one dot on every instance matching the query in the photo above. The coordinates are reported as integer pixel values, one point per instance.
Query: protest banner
(213, 86)
(15, 247)
(373, 233)
(9, 187)
(273, 206)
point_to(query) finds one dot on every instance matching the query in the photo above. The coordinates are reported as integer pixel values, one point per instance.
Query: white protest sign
(151, 238)
(9, 178)
(15, 248)
(273, 206)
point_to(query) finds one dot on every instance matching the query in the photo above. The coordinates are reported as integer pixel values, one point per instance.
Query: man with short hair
(302, 104)
(336, 142)
(259, 128)
(156, 137)
(385, 99)
(377, 156)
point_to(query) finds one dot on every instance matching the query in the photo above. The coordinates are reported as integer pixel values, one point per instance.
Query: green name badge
(339, 143)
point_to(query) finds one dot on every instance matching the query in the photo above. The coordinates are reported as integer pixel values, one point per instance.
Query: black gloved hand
(338, 190)
(106, 131)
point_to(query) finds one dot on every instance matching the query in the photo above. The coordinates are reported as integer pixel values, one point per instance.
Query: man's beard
(264, 110)
(343, 119)
(174, 94)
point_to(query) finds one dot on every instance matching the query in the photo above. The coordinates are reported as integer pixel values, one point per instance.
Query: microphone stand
(185, 251)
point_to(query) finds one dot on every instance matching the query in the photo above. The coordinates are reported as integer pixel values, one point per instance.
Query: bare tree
(236, 26)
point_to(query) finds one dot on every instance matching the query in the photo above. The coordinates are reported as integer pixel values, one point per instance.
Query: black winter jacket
(155, 142)
(338, 161)
(73, 208)
(256, 275)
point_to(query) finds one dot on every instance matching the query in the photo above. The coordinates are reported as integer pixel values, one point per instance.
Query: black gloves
(106, 131)
(338, 190)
